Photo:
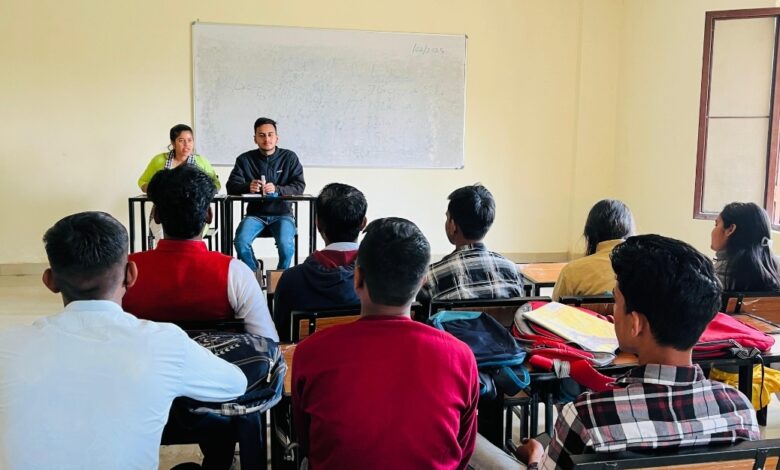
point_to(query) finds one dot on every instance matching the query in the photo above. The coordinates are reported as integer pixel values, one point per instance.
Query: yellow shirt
(591, 275)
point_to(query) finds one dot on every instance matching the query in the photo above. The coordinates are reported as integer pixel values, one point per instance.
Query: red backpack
(726, 336)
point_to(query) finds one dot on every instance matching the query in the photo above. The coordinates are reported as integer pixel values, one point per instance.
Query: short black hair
(86, 251)
(473, 209)
(178, 129)
(263, 121)
(181, 198)
(670, 283)
(393, 257)
(341, 209)
(608, 219)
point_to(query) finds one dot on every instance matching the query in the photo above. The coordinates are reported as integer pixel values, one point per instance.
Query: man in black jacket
(267, 170)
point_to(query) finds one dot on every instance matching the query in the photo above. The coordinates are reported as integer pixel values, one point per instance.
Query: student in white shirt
(91, 386)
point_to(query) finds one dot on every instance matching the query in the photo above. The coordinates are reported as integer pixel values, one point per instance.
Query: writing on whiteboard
(424, 49)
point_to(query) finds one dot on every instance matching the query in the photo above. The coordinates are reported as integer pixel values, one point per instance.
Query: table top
(539, 273)
(253, 197)
(244, 197)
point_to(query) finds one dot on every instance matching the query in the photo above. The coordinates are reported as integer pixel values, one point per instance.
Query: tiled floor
(24, 298)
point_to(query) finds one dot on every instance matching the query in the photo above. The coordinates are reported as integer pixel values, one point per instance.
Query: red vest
(180, 280)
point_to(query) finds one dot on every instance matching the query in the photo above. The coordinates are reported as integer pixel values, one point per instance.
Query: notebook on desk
(587, 331)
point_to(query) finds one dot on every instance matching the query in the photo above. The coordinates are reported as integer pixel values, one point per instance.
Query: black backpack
(259, 358)
(499, 357)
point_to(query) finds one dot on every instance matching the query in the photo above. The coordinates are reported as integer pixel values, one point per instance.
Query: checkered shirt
(652, 406)
(472, 272)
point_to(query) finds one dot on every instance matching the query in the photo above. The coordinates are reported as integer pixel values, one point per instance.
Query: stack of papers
(587, 331)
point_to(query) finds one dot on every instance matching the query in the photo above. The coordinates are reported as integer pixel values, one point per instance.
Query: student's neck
(372, 309)
(664, 355)
(462, 242)
(198, 238)
(267, 154)
(116, 297)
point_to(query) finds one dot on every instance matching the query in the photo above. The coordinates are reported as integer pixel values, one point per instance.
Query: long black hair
(750, 265)
(608, 219)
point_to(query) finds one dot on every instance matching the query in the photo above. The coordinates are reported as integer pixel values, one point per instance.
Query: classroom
(567, 102)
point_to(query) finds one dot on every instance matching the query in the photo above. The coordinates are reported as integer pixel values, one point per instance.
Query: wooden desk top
(541, 273)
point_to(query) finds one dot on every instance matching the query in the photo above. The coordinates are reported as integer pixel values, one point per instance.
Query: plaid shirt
(652, 406)
(472, 272)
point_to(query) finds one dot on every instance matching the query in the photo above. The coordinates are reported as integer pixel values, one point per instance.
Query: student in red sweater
(180, 279)
(386, 391)
(325, 279)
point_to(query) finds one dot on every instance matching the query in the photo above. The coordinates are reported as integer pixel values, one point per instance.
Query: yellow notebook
(589, 332)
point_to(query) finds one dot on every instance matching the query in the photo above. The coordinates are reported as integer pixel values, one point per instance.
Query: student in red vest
(386, 392)
(180, 279)
(325, 279)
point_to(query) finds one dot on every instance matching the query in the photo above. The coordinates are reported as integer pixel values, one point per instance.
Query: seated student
(326, 277)
(91, 386)
(180, 279)
(743, 244)
(471, 271)
(609, 222)
(386, 391)
(744, 262)
(665, 296)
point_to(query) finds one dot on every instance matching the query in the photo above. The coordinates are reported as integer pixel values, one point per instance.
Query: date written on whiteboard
(424, 49)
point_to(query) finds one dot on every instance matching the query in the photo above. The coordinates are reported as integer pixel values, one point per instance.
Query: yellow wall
(658, 113)
(567, 102)
(90, 89)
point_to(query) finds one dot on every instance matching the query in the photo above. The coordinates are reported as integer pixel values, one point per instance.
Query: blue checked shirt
(652, 406)
(472, 272)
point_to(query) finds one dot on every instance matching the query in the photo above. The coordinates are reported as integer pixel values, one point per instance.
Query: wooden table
(538, 275)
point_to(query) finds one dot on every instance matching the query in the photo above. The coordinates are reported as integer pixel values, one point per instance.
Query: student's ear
(638, 323)
(131, 274)
(451, 227)
(730, 230)
(209, 215)
(359, 279)
(363, 224)
(49, 281)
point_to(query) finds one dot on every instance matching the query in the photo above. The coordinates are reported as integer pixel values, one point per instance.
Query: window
(739, 113)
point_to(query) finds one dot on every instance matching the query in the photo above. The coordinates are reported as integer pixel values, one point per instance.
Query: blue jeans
(283, 229)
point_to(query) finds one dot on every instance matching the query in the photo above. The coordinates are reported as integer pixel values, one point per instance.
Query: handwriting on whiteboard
(424, 49)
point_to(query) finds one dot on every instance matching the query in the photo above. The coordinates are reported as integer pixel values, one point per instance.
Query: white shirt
(91, 387)
(248, 302)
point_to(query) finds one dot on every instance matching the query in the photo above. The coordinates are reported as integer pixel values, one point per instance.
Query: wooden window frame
(771, 189)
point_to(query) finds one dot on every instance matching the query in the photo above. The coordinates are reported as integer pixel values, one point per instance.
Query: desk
(229, 222)
(538, 275)
(218, 202)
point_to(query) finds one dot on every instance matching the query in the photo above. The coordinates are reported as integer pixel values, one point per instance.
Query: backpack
(726, 336)
(259, 358)
(499, 357)
(548, 351)
(262, 362)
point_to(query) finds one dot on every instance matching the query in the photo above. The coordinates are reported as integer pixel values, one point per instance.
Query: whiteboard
(341, 98)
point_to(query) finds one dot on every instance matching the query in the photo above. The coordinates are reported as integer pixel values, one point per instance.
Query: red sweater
(180, 280)
(385, 392)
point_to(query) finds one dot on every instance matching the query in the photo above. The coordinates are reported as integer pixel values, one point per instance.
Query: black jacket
(282, 169)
